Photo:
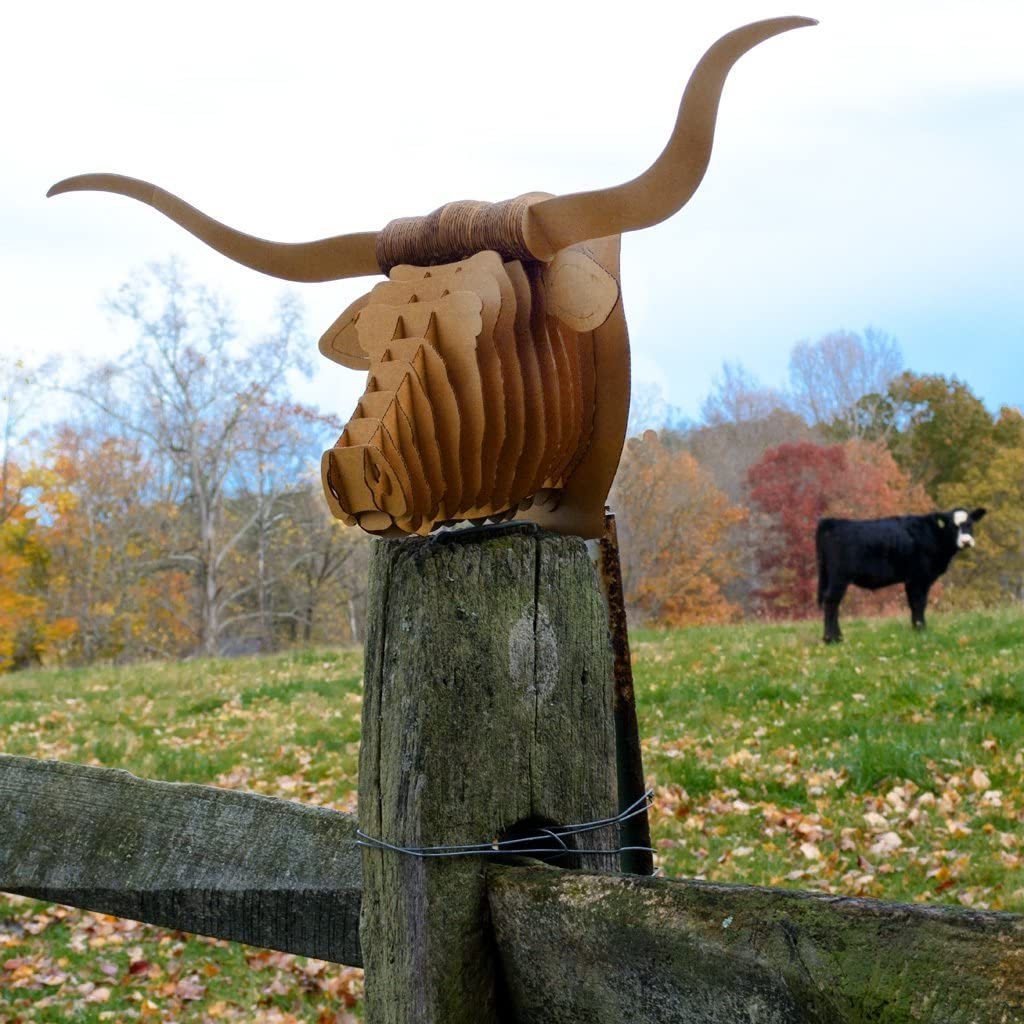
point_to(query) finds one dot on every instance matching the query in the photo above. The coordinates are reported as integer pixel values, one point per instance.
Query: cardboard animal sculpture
(496, 351)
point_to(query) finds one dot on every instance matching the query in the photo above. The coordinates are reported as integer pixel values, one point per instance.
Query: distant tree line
(717, 516)
(175, 508)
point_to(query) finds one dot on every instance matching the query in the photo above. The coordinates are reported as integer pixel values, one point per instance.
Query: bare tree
(835, 380)
(21, 384)
(320, 570)
(738, 397)
(741, 420)
(728, 450)
(264, 481)
(650, 410)
(204, 407)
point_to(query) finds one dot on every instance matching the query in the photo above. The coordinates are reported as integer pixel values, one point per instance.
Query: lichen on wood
(487, 703)
(607, 949)
(217, 862)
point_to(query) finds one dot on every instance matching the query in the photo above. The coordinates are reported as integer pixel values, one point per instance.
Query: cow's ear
(941, 520)
(578, 290)
(978, 513)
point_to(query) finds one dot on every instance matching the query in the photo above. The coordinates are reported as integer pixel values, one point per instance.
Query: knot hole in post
(538, 839)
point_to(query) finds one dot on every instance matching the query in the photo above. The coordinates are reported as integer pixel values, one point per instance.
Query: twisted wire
(504, 847)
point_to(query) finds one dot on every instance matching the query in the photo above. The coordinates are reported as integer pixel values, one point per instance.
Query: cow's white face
(964, 522)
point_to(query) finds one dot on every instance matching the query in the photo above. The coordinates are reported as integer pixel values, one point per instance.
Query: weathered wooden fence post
(487, 705)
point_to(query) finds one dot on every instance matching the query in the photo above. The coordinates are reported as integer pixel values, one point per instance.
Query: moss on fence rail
(664, 950)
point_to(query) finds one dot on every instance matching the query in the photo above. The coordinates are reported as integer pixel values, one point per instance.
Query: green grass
(775, 760)
(781, 761)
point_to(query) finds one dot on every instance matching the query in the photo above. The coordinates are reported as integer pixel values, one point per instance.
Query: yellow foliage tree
(19, 611)
(992, 573)
(25, 634)
(675, 529)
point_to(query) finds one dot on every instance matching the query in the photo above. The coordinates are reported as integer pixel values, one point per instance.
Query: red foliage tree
(794, 485)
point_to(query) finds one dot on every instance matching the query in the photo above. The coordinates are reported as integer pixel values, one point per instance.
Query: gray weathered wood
(487, 701)
(213, 861)
(572, 946)
(607, 949)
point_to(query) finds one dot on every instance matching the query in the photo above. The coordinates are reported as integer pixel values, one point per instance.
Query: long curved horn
(328, 259)
(671, 180)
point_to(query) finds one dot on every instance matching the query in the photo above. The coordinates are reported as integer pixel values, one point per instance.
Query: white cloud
(850, 183)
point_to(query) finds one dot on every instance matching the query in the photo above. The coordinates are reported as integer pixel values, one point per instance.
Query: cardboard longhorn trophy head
(496, 351)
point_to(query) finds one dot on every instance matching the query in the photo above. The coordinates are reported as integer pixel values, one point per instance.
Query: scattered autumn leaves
(284, 726)
(890, 767)
(906, 831)
(893, 768)
(85, 966)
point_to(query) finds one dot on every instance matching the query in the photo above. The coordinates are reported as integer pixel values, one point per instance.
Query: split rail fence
(490, 714)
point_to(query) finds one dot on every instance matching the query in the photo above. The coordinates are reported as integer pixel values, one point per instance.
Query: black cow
(875, 553)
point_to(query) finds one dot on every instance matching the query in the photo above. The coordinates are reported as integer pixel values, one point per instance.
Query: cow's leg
(917, 598)
(832, 598)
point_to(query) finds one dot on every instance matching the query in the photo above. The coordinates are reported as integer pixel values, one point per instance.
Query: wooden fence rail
(212, 861)
(571, 945)
(606, 949)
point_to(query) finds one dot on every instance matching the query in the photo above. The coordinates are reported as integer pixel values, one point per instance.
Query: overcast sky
(866, 172)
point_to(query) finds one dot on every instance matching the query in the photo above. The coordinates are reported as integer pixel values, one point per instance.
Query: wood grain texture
(593, 948)
(213, 861)
(487, 702)
(569, 946)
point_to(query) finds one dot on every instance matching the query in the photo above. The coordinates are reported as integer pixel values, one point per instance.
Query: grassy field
(891, 766)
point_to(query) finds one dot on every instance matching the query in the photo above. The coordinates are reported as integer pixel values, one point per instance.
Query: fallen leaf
(886, 843)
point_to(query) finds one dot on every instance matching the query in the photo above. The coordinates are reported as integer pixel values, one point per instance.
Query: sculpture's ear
(340, 341)
(578, 290)
(978, 513)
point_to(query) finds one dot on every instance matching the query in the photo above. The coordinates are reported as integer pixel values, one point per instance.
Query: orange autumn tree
(27, 635)
(110, 519)
(794, 485)
(675, 528)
